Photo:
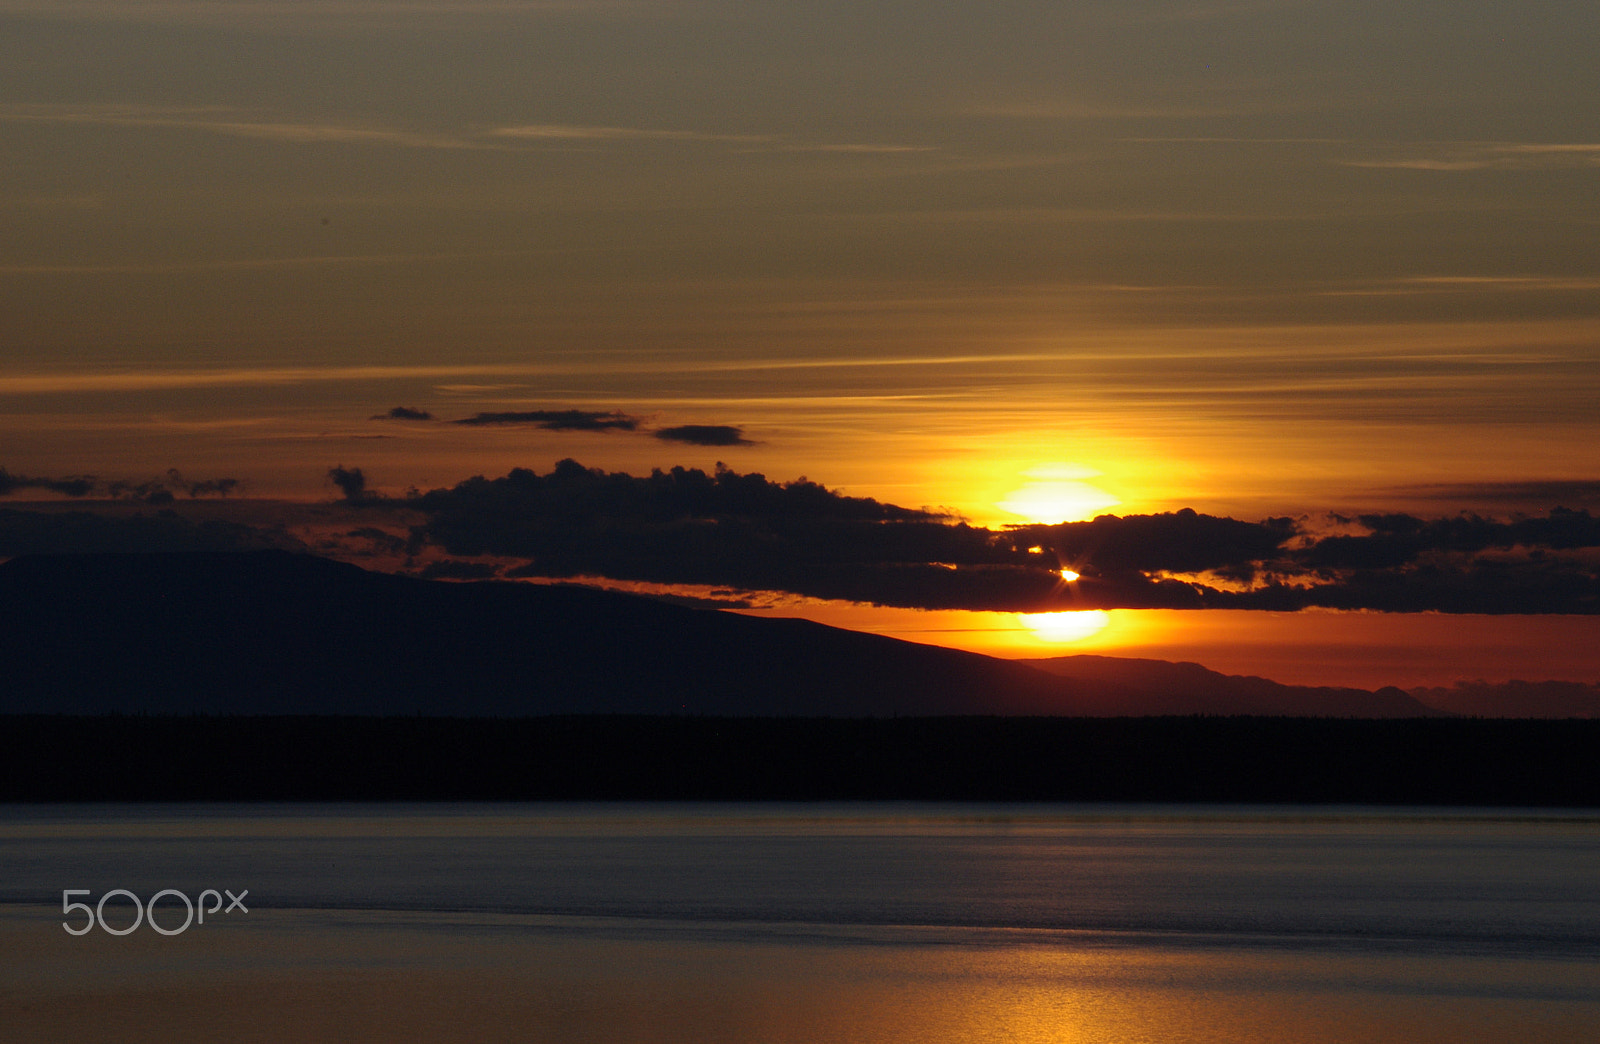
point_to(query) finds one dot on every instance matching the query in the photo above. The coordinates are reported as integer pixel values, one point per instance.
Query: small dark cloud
(151, 491)
(219, 487)
(351, 481)
(404, 413)
(558, 420)
(72, 486)
(705, 435)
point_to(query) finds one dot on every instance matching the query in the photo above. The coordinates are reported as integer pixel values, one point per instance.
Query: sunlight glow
(1063, 628)
(1069, 575)
(1057, 493)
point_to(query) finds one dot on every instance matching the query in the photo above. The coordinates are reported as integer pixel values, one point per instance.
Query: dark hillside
(273, 632)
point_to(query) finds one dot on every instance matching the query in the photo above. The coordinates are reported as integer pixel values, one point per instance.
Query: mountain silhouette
(275, 632)
(1162, 687)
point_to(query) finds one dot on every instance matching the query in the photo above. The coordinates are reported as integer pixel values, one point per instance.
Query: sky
(1010, 262)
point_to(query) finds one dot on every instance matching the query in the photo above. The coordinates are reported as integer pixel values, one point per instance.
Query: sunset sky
(1016, 262)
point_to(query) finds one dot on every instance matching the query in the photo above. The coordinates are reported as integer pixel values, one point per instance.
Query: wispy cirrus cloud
(233, 123)
(1468, 284)
(596, 135)
(1469, 156)
(591, 133)
(243, 264)
(267, 127)
(374, 14)
(147, 380)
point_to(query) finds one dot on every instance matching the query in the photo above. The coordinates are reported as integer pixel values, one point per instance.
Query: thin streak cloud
(569, 132)
(32, 384)
(297, 13)
(1468, 156)
(255, 263)
(562, 132)
(207, 120)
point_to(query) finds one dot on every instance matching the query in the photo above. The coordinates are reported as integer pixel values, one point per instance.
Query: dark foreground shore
(1176, 759)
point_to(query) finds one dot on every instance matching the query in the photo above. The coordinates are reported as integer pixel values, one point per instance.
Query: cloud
(73, 486)
(230, 122)
(154, 491)
(1470, 156)
(558, 420)
(236, 123)
(405, 413)
(297, 14)
(591, 134)
(243, 377)
(1177, 542)
(579, 132)
(705, 435)
(352, 482)
(1397, 540)
(686, 526)
(741, 531)
(223, 265)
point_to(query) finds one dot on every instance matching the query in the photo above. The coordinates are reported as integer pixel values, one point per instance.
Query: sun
(1065, 628)
(1057, 493)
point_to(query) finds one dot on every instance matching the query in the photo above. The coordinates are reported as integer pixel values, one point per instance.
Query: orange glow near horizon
(1358, 649)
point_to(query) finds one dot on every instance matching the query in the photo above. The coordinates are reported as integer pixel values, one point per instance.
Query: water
(679, 923)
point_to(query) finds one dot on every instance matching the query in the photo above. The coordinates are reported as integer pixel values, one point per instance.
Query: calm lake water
(791, 923)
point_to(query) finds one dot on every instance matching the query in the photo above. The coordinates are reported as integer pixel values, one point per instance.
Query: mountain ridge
(277, 632)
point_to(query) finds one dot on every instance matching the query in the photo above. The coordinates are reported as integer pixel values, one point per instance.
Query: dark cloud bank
(557, 420)
(404, 413)
(705, 435)
(584, 420)
(161, 490)
(743, 531)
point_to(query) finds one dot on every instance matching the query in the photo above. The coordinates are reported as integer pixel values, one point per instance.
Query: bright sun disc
(1057, 493)
(1060, 628)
